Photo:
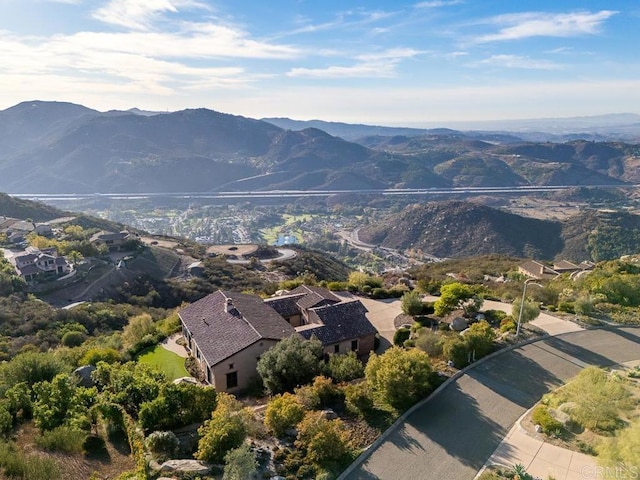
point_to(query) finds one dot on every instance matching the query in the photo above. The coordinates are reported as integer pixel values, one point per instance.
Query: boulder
(459, 324)
(185, 467)
(84, 374)
(560, 415)
(329, 414)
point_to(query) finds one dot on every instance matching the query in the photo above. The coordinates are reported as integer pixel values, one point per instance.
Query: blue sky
(379, 62)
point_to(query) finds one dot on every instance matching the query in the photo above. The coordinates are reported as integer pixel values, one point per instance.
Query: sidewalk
(170, 344)
(541, 459)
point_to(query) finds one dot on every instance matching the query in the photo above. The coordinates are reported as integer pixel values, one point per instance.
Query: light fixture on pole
(524, 293)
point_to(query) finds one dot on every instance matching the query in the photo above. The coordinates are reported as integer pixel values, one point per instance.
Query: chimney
(229, 305)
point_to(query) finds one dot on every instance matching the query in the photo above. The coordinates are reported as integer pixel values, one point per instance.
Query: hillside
(51, 147)
(460, 229)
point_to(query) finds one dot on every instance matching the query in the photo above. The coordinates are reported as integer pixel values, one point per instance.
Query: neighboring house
(537, 270)
(341, 326)
(113, 241)
(34, 263)
(227, 333)
(16, 230)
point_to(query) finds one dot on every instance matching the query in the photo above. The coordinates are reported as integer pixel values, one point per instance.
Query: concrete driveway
(381, 315)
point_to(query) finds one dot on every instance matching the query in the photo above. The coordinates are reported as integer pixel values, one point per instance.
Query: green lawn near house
(170, 363)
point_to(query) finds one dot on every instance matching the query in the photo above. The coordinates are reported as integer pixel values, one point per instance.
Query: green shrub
(95, 355)
(162, 445)
(401, 335)
(283, 413)
(73, 339)
(344, 368)
(321, 394)
(19, 465)
(358, 399)
(61, 439)
(507, 325)
(541, 416)
(429, 342)
(567, 307)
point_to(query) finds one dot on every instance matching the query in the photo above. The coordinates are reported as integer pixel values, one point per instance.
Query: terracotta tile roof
(221, 332)
(338, 323)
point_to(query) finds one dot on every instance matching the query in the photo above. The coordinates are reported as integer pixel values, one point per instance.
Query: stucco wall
(244, 363)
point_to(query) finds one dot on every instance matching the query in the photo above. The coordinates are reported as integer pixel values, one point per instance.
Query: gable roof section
(220, 333)
(337, 323)
(314, 296)
(285, 305)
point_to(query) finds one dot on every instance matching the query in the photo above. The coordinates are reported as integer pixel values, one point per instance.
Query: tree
(455, 296)
(282, 413)
(225, 431)
(399, 377)
(598, 398)
(289, 363)
(479, 339)
(240, 463)
(530, 311)
(325, 442)
(75, 257)
(58, 401)
(138, 327)
(344, 368)
(358, 279)
(411, 303)
(623, 450)
(177, 406)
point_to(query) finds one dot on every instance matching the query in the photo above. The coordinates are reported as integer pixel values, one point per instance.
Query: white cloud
(370, 65)
(139, 14)
(438, 3)
(540, 24)
(516, 61)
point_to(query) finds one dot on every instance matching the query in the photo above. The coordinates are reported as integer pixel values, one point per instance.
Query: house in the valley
(537, 270)
(36, 263)
(227, 333)
(341, 325)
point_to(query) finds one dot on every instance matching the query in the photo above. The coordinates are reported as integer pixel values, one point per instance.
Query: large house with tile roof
(228, 332)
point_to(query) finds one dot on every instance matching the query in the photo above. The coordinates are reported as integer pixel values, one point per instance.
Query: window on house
(231, 366)
(354, 345)
(336, 348)
(209, 374)
(232, 380)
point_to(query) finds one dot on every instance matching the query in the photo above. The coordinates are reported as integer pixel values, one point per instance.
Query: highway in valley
(44, 197)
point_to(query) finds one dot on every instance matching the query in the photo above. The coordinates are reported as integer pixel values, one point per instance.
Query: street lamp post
(524, 293)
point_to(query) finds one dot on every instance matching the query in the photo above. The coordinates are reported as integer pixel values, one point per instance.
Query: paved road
(453, 434)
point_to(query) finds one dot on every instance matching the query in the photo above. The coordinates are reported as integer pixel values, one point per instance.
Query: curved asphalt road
(453, 434)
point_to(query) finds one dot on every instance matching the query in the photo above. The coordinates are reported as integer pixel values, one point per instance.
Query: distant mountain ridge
(464, 229)
(57, 147)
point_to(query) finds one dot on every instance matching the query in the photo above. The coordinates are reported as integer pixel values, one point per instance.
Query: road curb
(382, 438)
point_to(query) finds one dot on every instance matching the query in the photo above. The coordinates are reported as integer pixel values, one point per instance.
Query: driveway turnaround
(454, 433)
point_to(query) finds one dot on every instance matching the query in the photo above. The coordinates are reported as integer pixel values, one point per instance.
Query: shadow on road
(578, 352)
(471, 445)
(516, 377)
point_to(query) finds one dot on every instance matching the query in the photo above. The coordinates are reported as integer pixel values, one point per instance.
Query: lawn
(170, 363)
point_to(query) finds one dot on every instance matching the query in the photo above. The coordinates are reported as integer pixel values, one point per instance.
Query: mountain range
(464, 229)
(56, 147)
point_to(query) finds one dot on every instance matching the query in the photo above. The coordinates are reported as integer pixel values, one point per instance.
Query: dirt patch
(233, 250)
